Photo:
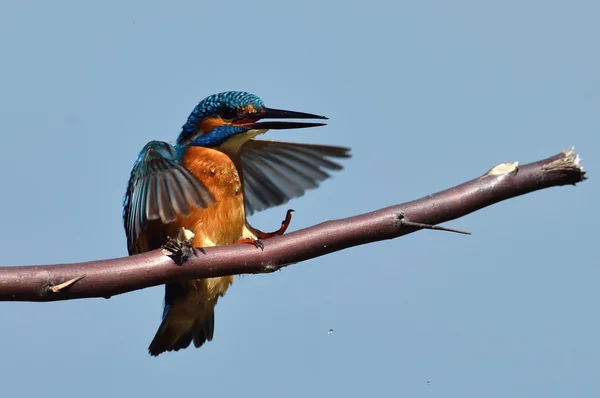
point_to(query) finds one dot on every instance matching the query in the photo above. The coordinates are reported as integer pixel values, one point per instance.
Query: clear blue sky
(428, 94)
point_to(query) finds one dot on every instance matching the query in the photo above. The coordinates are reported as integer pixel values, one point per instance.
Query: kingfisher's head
(233, 117)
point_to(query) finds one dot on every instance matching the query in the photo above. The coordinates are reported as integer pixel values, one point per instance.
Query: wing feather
(275, 172)
(159, 189)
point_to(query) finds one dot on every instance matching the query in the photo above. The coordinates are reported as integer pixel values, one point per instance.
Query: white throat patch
(234, 144)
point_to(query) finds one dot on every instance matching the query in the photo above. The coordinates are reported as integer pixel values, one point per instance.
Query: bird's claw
(259, 245)
(180, 248)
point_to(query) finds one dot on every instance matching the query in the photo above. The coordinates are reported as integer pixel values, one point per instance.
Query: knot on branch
(51, 288)
(503, 169)
(418, 225)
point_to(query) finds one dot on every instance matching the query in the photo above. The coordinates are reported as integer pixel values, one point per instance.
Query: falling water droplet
(330, 331)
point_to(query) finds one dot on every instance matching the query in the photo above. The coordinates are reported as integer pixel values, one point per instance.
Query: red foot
(284, 226)
(265, 235)
(256, 242)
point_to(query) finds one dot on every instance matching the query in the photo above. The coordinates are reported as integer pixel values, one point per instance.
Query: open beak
(270, 113)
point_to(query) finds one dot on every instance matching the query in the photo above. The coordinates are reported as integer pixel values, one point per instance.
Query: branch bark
(107, 278)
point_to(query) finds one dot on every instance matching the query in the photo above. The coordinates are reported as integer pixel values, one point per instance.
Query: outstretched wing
(159, 190)
(275, 172)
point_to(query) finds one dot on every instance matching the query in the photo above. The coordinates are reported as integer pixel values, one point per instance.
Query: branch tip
(569, 163)
(574, 158)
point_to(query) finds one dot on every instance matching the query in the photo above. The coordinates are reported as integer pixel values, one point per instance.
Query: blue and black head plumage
(226, 104)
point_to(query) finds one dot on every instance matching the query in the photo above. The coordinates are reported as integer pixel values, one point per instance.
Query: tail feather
(203, 330)
(183, 342)
(188, 314)
(175, 336)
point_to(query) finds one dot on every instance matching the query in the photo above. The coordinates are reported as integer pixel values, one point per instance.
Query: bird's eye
(229, 113)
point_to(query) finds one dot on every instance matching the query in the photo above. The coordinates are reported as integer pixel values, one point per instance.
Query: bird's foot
(265, 235)
(256, 242)
(284, 226)
(180, 248)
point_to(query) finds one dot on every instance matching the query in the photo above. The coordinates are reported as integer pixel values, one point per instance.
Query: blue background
(428, 94)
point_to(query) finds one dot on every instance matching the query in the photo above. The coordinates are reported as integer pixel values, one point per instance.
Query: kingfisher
(208, 182)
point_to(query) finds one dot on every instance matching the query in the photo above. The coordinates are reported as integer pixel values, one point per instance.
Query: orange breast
(223, 222)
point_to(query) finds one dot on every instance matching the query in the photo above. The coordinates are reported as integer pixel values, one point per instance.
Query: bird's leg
(284, 226)
(265, 235)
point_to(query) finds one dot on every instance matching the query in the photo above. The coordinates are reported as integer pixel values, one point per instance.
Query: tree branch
(107, 278)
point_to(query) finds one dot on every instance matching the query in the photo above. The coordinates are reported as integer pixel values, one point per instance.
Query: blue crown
(221, 104)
